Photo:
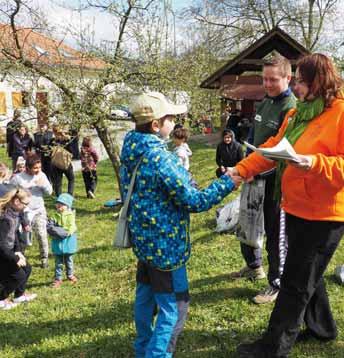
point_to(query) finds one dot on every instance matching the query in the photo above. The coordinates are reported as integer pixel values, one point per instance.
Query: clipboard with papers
(282, 151)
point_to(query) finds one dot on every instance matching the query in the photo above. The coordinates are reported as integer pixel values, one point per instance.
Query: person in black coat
(11, 128)
(22, 144)
(42, 143)
(228, 153)
(62, 139)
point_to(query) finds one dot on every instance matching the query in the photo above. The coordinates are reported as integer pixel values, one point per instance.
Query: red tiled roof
(45, 50)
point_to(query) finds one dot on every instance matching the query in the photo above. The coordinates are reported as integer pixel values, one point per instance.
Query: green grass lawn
(94, 318)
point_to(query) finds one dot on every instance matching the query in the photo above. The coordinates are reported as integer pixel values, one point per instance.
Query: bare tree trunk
(111, 148)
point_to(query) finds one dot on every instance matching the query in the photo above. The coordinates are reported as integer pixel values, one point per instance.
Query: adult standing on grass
(42, 142)
(22, 144)
(14, 268)
(313, 199)
(34, 180)
(270, 114)
(62, 139)
(11, 128)
(159, 223)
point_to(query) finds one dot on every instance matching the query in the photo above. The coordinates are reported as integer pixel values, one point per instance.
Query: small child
(89, 158)
(180, 135)
(182, 150)
(20, 166)
(62, 229)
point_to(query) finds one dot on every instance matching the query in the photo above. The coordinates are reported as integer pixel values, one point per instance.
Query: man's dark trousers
(252, 256)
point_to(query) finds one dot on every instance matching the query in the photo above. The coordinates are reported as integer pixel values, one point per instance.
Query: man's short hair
(280, 62)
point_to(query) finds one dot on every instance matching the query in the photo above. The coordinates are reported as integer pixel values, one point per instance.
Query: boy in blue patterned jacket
(159, 223)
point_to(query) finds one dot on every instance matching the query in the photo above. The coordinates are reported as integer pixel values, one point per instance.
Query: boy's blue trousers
(164, 294)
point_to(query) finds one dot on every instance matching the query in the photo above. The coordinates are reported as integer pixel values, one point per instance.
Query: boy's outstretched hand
(234, 175)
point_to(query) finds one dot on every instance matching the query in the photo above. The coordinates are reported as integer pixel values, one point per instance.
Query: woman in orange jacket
(313, 198)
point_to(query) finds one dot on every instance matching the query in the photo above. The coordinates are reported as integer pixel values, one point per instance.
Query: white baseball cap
(153, 105)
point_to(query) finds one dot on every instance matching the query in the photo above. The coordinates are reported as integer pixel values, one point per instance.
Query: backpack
(61, 158)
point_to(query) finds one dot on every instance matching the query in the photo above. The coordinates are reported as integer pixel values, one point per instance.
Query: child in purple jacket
(89, 158)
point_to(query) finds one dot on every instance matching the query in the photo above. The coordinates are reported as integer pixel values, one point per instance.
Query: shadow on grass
(116, 316)
(210, 280)
(93, 249)
(97, 210)
(213, 296)
(212, 344)
(203, 239)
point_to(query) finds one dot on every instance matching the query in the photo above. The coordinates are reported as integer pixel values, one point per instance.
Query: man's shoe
(90, 194)
(249, 273)
(307, 334)
(256, 349)
(268, 295)
(7, 305)
(251, 350)
(26, 297)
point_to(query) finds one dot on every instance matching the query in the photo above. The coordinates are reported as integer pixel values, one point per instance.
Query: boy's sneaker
(26, 297)
(72, 279)
(268, 295)
(56, 284)
(249, 273)
(90, 194)
(7, 305)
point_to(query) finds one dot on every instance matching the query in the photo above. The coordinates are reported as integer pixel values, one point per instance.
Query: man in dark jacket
(42, 143)
(278, 101)
(11, 128)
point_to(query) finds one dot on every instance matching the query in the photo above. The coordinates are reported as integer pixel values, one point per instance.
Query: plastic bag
(227, 217)
(250, 229)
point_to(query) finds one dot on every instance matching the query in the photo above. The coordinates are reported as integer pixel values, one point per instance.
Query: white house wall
(20, 81)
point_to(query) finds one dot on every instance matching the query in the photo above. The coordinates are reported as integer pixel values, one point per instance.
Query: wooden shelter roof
(251, 59)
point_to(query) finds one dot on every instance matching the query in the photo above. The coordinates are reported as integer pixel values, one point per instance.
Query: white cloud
(69, 23)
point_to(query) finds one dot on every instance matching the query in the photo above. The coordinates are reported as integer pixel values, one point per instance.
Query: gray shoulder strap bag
(122, 235)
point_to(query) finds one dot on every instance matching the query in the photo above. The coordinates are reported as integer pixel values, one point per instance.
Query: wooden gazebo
(232, 84)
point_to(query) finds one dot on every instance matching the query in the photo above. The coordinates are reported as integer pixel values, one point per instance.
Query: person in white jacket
(34, 180)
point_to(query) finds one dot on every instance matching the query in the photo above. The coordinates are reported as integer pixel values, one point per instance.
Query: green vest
(269, 117)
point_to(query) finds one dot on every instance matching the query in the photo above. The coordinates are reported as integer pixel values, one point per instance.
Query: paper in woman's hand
(282, 151)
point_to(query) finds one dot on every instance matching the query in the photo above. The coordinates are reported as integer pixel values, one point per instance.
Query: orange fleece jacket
(316, 194)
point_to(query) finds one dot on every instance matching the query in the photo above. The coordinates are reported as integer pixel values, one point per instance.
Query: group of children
(22, 211)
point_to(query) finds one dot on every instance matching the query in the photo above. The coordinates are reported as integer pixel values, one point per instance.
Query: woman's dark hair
(31, 160)
(321, 76)
(226, 132)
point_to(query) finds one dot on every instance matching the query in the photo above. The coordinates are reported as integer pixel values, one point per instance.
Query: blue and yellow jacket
(162, 200)
(65, 244)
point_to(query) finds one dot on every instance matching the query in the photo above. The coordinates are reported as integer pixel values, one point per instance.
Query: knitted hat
(153, 105)
(65, 199)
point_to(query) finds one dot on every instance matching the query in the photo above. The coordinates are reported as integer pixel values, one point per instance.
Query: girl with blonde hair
(14, 268)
